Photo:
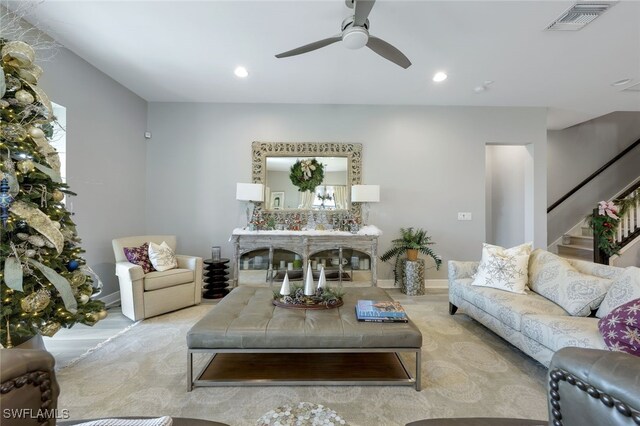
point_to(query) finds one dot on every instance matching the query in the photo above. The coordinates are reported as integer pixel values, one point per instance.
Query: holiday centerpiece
(45, 284)
(307, 174)
(308, 296)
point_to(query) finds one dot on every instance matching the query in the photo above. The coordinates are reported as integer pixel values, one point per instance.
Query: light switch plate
(464, 215)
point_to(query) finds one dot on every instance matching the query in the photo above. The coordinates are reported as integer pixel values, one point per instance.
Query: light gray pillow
(625, 288)
(554, 278)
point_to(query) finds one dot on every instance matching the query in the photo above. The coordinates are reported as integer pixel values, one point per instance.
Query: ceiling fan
(355, 35)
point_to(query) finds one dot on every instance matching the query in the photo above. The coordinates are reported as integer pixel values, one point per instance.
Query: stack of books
(380, 311)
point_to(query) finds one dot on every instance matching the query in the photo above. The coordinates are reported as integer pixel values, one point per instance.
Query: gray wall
(576, 152)
(505, 194)
(105, 156)
(428, 161)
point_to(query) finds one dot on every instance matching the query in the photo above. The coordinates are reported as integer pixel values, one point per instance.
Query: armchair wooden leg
(452, 309)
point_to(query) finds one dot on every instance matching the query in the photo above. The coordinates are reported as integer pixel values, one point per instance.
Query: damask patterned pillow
(162, 257)
(554, 278)
(626, 287)
(620, 328)
(139, 256)
(504, 269)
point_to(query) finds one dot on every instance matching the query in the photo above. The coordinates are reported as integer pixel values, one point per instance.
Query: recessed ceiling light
(241, 72)
(621, 82)
(439, 77)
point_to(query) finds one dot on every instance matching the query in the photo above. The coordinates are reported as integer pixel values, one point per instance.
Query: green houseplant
(412, 241)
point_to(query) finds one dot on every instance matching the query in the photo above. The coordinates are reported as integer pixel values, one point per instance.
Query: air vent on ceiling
(632, 88)
(579, 15)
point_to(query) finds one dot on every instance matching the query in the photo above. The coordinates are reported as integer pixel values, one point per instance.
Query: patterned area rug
(467, 372)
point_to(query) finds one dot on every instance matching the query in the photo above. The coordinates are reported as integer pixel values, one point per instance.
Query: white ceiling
(186, 51)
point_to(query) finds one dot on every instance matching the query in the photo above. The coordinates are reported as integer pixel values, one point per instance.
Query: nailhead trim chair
(147, 295)
(28, 386)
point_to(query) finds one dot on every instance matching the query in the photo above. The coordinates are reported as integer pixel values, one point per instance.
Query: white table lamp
(249, 192)
(365, 194)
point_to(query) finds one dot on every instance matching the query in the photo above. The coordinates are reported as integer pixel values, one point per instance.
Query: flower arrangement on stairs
(604, 224)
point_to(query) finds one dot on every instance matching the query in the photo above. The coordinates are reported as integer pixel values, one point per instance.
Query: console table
(306, 244)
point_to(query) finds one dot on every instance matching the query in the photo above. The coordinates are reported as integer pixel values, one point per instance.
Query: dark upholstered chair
(28, 386)
(587, 387)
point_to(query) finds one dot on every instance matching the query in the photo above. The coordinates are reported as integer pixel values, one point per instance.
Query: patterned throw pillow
(620, 328)
(554, 278)
(162, 257)
(139, 256)
(626, 287)
(504, 269)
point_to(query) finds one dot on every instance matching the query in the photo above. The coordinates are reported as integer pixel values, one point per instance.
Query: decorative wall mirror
(341, 165)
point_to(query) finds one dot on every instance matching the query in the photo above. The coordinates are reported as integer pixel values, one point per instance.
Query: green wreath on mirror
(307, 174)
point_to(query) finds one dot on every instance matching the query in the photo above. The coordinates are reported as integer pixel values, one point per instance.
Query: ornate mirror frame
(351, 151)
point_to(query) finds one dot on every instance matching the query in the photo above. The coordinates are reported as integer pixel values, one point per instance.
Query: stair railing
(594, 175)
(628, 228)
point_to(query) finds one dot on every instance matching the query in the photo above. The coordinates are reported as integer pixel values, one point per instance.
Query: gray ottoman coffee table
(251, 342)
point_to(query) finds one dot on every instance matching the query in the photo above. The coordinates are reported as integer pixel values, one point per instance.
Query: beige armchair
(147, 295)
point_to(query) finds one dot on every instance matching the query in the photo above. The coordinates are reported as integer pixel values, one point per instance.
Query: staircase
(577, 246)
(580, 244)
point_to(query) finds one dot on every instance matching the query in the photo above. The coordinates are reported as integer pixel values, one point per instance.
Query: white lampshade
(249, 192)
(365, 193)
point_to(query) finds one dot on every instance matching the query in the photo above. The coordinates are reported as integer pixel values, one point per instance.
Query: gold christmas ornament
(24, 98)
(45, 147)
(77, 278)
(35, 302)
(18, 54)
(50, 328)
(84, 298)
(57, 196)
(92, 317)
(25, 166)
(102, 314)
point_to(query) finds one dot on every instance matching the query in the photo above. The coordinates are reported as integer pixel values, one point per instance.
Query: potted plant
(411, 242)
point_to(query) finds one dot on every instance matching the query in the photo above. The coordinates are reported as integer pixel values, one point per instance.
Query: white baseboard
(112, 299)
(431, 283)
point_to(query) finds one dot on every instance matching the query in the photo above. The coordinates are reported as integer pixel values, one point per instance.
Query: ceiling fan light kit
(355, 35)
(355, 38)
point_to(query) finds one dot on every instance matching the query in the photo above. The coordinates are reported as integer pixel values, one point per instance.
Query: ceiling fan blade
(362, 10)
(387, 51)
(310, 47)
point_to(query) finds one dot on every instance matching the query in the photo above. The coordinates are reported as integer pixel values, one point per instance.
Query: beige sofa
(147, 295)
(534, 324)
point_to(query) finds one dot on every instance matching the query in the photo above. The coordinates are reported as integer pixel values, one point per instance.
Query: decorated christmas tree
(45, 282)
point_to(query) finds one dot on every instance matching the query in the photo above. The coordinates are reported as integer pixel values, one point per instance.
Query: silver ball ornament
(84, 298)
(36, 132)
(24, 98)
(36, 240)
(30, 253)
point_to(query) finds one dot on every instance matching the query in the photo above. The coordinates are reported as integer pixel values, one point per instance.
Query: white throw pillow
(556, 279)
(625, 288)
(162, 257)
(504, 269)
